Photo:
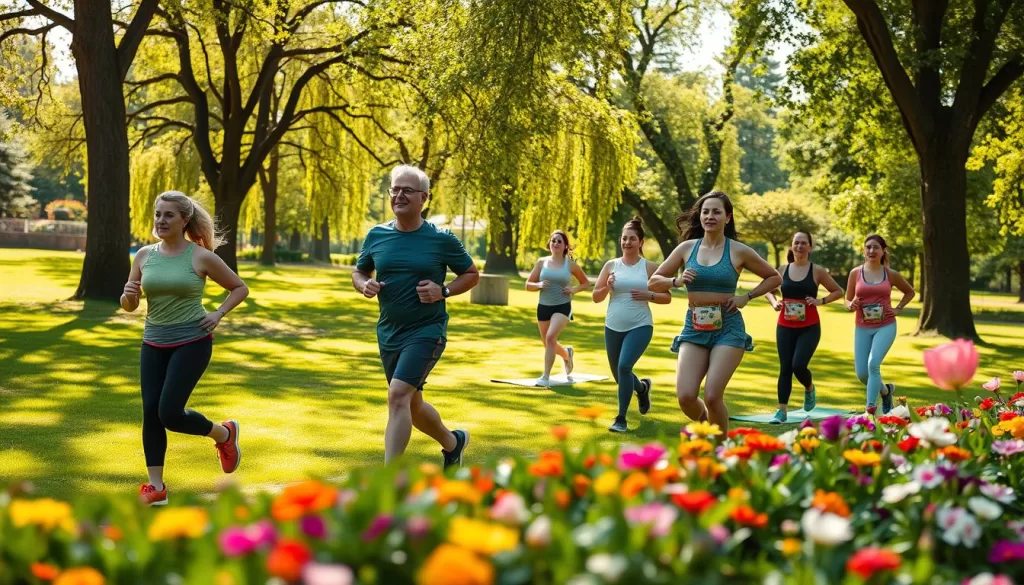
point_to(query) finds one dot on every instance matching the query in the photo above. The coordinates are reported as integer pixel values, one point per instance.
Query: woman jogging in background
(869, 293)
(799, 329)
(714, 337)
(552, 276)
(177, 342)
(628, 324)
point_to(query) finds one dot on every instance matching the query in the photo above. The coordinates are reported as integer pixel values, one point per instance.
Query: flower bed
(921, 495)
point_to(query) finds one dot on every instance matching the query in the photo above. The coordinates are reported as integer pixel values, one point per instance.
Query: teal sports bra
(717, 278)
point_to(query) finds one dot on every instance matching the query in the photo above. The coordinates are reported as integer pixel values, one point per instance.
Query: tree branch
(1009, 73)
(133, 35)
(27, 31)
(57, 17)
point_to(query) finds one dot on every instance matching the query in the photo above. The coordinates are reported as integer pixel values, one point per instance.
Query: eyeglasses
(396, 191)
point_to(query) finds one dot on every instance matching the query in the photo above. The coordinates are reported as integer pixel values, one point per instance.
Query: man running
(410, 258)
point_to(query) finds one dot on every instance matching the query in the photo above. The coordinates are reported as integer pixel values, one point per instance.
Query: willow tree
(230, 120)
(102, 60)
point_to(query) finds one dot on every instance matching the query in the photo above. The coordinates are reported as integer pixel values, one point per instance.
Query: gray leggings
(624, 350)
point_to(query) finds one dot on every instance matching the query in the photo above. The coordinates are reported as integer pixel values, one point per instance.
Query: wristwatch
(445, 293)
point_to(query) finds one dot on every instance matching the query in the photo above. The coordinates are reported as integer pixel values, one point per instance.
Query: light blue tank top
(557, 277)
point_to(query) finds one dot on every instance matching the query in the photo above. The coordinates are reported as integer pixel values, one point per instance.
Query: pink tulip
(322, 574)
(640, 459)
(952, 365)
(1018, 376)
(238, 541)
(992, 385)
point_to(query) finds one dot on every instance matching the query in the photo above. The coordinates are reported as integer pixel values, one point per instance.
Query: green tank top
(174, 296)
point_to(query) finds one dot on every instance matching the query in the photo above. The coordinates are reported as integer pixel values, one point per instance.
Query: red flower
(743, 431)
(892, 420)
(694, 502)
(987, 404)
(866, 562)
(287, 559)
(1005, 416)
(747, 516)
(909, 444)
(923, 410)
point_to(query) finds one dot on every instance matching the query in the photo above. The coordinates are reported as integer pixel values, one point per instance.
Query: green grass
(297, 364)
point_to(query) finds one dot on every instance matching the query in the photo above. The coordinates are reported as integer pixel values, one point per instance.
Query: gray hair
(424, 179)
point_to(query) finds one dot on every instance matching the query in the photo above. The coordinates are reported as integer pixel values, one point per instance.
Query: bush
(66, 210)
(281, 254)
(920, 495)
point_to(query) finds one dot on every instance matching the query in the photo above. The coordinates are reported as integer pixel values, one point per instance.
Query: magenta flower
(831, 427)
(238, 541)
(659, 516)
(808, 423)
(1005, 551)
(640, 459)
(1007, 448)
(313, 527)
(719, 533)
(858, 423)
(379, 526)
(780, 460)
(952, 365)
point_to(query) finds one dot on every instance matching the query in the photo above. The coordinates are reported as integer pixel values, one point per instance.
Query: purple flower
(943, 410)
(856, 423)
(966, 414)
(379, 526)
(659, 516)
(644, 458)
(1008, 448)
(313, 527)
(237, 541)
(1005, 551)
(780, 460)
(947, 471)
(808, 423)
(719, 533)
(831, 427)
(417, 526)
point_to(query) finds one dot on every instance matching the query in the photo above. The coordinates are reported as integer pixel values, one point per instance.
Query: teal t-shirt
(401, 260)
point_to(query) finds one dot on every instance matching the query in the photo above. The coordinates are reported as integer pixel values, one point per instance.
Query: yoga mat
(559, 380)
(795, 416)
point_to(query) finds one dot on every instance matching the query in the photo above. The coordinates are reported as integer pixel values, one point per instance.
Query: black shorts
(544, 312)
(413, 362)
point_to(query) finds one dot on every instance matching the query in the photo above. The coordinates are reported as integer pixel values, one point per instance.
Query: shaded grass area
(297, 364)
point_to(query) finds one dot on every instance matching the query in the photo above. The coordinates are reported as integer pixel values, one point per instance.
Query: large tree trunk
(106, 264)
(663, 233)
(501, 250)
(1020, 288)
(229, 208)
(295, 242)
(946, 295)
(268, 183)
(322, 243)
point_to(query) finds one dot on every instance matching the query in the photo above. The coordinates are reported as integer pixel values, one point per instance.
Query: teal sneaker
(810, 399)
(779, 418)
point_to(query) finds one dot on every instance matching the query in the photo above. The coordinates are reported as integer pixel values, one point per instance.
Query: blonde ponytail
(200, 226)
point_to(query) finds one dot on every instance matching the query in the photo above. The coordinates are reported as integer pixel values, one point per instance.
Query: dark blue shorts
(545, 312)
(733, 333)
(413, 361)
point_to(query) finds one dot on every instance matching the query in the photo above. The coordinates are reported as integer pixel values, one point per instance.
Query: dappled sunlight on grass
(297, 365)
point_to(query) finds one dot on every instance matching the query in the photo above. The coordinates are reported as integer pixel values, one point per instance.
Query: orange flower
(963, 424)
(458, 491)
(454, 565)
(708, 468)
(861, 458)
(747, 516)
(45, 572)
(484, 485)
(660, 477)
(287, 559)
(563, 499)
(738, 493)
(550, 464)
(695, 448)
(580, 485)
(763, 443)
(592, 412)
(743, 431)
(605, 459)
(589, 462)
(560, 432)
(830, 502)
(743, 452)
(954, 453)
(633, 485)
(695, 502)
(790, 546)
(807, 445)
(80, 576)
(430, 469)
(302, 499)
(242, 513)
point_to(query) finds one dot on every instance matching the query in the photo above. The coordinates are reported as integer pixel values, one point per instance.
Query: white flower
(825, 528)
(958, 527)
(927, 475)
(610, 567)
(510, 509)
(863, 436)
(985, 509)
(989, 579)
(790, 437)
(970, 532)
(1000, 493)
(933, 432)
(538, 535)
(900, 411)
(892, 494)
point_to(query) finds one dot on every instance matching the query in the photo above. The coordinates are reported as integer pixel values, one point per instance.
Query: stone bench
(491, 290)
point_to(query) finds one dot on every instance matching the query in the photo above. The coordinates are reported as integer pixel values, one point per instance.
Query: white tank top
(623, 312)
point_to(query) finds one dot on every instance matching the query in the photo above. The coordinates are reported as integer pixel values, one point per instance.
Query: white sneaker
(542, 381)
(568, 363)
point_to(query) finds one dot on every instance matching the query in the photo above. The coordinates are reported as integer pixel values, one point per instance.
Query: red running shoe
(149, 495)
(228, 452)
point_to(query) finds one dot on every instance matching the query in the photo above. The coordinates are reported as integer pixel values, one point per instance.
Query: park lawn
(297, 365)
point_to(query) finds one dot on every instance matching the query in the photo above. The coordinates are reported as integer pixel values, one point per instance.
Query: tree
(942, 84)
(102, 60)
(773, 218)
(15, 190)
(755, 124)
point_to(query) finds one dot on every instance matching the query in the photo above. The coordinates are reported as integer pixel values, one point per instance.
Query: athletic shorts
(413, 361)
(544, 312)
(733, 333)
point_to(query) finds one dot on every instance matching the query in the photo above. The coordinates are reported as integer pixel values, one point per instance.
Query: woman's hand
(211, 320)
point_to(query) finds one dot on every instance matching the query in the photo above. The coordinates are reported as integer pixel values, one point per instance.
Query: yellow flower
(809, 432)
(861, 458)
(695, 447)
(80, 576)
(45, 513)
(806, 445)
(790, 546)
(451, 565)
(458, 491)
(430, 469)
(481, 537)
(1014, 426)
(592, 412)
(607, 483)
(739, 494)
(178, 523)
(703, 429)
